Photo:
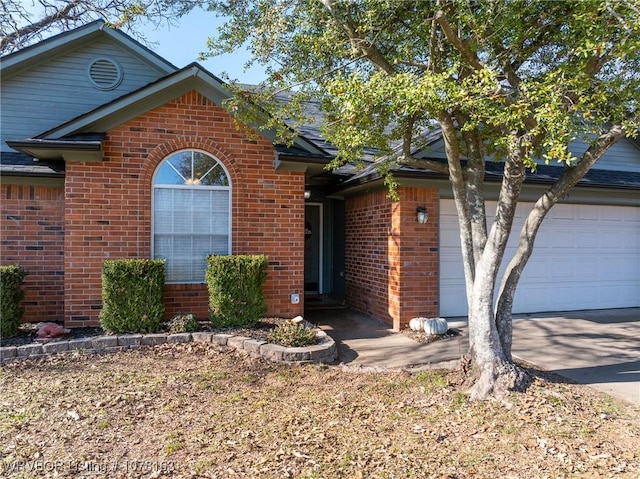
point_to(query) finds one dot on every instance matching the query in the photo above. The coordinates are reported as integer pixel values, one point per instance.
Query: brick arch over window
(180, 297)
(160, 152)
(157, 155)
(207, 145)
(267, 206)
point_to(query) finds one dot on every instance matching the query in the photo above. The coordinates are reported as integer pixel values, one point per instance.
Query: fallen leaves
(73, 415)
(212, 412)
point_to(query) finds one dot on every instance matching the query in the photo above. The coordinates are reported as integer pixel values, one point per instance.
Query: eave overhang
(544, 176)
(288, 159)
(63, 149)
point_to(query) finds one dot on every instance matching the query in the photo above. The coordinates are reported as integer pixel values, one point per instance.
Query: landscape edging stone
(325, 351)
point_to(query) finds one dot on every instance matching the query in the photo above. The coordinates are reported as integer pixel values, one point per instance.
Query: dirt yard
(195, 410)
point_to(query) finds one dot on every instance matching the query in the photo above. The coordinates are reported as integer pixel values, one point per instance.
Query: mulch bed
(27, 333)
(424, 338)
(259, 331)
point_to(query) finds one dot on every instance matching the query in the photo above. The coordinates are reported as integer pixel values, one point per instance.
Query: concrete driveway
(600, 348)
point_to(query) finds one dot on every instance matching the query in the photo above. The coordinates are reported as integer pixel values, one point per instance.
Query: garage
(585, 257)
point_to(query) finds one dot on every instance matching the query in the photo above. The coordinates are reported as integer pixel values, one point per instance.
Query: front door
(313, 248)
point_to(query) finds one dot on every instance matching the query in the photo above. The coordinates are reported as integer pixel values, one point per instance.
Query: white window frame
(190, 187)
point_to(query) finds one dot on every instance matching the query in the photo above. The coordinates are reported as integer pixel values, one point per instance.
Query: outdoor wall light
(307, 194)
(422, 215)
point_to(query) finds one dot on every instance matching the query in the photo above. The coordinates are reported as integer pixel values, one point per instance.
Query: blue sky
(181, 44)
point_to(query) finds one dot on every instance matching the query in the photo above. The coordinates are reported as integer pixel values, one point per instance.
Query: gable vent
(104, 73)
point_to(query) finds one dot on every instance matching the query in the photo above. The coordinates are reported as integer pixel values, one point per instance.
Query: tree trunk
(496, 374)
(511, 278)
(474, 186)
(504, 320)
(456, 177)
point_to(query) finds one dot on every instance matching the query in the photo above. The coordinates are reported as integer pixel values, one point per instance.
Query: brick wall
(108, 206)
(367, 268)
(32, 231)
(419, 256)
(391, 260)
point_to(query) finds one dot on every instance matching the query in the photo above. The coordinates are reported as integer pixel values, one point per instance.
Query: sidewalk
(600, 348)
(368, 343)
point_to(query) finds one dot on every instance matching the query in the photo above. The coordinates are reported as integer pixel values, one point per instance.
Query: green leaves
(11, 294)
(545, 72)
(235, 289)
(132, 295)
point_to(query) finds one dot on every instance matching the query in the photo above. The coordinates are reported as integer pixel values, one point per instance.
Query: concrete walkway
(368, 343)
(600, 348)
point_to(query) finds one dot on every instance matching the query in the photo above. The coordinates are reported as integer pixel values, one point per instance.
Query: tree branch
(475, 186)
(456, 176)
(366, 47)
(568, 180)
(423, 163)
(418, 65)
(595, 64)
(461, 45)
(18, 29)
(407, 158)
(60, 14)
(314, 78)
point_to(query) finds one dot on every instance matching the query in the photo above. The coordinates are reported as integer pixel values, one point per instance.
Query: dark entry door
(313, 248)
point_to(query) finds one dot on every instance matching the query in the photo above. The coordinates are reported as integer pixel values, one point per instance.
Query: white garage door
(585, 257)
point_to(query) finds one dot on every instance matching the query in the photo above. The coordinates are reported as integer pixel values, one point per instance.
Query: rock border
(325, 351)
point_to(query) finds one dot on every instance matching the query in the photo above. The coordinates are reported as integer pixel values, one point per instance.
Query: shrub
(183, 323)
(235, 284)
(11, 293)
(132, 295)
(293, 335)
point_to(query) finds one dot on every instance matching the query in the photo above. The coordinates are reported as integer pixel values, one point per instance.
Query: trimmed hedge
(235, 284)
(11, 293)
(132, 295)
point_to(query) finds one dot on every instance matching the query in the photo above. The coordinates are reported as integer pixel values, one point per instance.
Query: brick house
(109, 151)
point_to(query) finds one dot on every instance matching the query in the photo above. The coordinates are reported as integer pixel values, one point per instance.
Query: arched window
(191, 214)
